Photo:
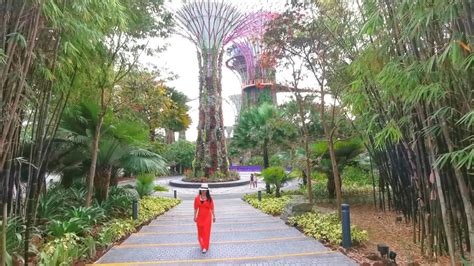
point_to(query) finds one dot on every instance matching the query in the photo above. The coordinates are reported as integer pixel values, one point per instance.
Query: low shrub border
(323, 227)
(326, 228)
(71, 248)
(269, 204)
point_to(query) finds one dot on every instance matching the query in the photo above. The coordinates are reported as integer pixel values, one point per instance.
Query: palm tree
(261, 127)
(120, 148)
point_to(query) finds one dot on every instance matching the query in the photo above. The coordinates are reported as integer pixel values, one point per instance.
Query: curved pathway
(241, 235)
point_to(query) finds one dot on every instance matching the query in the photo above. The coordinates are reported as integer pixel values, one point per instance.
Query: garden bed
(270, 204)
(210, 180)
(68, 233)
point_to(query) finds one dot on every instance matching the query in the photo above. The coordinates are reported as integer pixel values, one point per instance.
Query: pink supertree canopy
(248, 59)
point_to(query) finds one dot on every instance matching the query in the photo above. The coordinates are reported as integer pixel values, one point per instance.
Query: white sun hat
(204, 186)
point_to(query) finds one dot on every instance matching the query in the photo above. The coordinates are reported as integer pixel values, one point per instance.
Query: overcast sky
(180, 58)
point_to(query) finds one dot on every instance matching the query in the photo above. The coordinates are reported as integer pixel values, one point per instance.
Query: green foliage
(262, 126)
(59, 228)
(121, 145)
(269, 204)
(276, 160)
(88, 216)
(353, 175)
(180, 153)
(326, 228)
(356, 186)
(71, 239)
(160, 188)
(150, 207)
(276, 176)
(145, 184)
(138, 160)
(14, 240)
(62, 251)
(255, 160)
(57, 199)
(119, 201)
(114, 231)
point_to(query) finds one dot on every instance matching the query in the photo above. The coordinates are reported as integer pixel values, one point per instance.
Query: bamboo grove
(414, 86)
(46, 54)
(403, 72)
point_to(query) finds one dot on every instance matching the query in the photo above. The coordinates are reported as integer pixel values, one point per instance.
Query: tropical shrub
(326, 228)
(345, 150)
(180, 155)
(255, 160)
(62, 251)
(119, 202)
(276, 176)
(353, 175)
(14, 244)
(269, 204)
(144, 185)
(114, 231)
(276, 160)
(71, 238)
(59, 228)
(88, 216)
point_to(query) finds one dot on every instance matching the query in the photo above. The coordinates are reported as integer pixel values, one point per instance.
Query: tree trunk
(211, 151)
(305, 177)
(182, 135)
(94, 154)
(169, 136)
(102, 183)
(277, 191)
(464, 191)
(3, 241)
(331, 187)
(266, 164)
(332, 154)
(306, 147)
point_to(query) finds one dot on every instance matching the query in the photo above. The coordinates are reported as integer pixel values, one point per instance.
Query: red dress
(204, 220)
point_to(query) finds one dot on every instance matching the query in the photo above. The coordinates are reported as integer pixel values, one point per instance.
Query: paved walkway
(218, 193)
(241, 235)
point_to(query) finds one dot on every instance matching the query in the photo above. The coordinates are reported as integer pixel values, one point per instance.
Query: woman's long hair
(208, 195)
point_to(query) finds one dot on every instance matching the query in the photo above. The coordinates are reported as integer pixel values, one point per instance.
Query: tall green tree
(119, 51)
(262, 127)
(144, 95)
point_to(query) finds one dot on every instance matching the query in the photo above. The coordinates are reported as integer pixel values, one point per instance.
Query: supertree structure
(253, 65)
(210, 25)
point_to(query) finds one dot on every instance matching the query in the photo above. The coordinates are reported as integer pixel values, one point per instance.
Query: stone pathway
(241, 235)
(218, 193)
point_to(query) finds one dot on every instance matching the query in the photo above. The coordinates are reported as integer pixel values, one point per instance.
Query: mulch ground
(383, 227)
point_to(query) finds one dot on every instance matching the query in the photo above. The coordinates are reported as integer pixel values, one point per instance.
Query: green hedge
(269, 204)
(326, 228)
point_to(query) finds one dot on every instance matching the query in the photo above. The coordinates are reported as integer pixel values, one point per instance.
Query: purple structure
(254, 66)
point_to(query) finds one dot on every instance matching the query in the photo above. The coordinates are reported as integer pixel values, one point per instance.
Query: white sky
(180, 58)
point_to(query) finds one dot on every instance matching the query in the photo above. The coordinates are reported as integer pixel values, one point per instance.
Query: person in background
(204, 216)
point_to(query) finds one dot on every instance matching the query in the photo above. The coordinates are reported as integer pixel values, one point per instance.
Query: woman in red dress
(204, 216)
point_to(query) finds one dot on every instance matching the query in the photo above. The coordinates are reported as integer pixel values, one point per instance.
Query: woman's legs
(204, 235)
(200, 239)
